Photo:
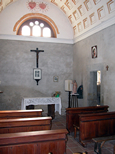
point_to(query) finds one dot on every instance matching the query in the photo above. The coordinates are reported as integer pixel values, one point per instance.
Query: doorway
(94, 88)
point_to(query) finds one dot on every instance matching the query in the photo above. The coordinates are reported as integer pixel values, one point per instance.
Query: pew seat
(96, 125)
(25, 124)
(72, 114)
(36, 142)
(10, 114)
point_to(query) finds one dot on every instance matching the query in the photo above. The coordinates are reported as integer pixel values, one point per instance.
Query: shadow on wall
(12, 96)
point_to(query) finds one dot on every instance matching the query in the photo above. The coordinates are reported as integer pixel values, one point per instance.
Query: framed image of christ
(37, 73)
(94, 51)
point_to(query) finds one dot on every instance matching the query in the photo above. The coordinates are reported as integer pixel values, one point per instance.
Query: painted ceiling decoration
(37, 6)
(82, 14)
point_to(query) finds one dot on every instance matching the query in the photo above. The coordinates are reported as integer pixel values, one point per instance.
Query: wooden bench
(25, 124)
(10, 114)
(96, 125)
(37, 142)
(72, 118)
(99, 142)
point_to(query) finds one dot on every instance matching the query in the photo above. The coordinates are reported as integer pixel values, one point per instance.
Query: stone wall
(16, 71)
(84, 64)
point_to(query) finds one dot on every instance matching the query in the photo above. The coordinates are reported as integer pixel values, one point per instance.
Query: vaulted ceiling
(82, 14)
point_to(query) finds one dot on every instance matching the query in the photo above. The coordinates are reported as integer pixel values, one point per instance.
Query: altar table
(42, 101)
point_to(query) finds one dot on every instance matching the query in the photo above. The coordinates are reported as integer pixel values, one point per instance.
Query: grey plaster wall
(84, 64)
(16, 71)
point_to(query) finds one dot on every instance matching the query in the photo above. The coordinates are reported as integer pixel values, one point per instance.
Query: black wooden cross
(37, 58)
(37, 55)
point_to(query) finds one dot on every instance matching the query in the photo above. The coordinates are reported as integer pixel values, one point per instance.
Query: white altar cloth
(42, 101)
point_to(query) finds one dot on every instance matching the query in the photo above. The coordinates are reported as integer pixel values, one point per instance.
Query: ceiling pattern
(82, 14)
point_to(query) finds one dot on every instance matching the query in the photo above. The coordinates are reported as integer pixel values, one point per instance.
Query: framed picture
(37, 73)
(94, 51)
(55, 78)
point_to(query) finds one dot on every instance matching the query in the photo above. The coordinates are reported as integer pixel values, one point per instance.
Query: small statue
(74, 87)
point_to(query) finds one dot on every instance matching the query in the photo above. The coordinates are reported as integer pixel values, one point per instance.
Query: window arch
(40, 25)
(36, 27)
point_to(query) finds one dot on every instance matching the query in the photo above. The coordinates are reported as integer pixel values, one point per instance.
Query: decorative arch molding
(39, 16)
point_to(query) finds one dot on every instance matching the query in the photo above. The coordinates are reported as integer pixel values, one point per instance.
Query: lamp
(68, 88)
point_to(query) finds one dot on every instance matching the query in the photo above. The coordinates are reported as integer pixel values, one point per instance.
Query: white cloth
(42, 101)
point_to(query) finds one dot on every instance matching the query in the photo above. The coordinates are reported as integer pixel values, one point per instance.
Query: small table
(42, 101)
(74, 100)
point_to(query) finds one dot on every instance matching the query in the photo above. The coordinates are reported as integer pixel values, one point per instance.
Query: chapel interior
(50, 47)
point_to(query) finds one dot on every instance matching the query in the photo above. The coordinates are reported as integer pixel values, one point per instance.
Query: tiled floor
(73, 145)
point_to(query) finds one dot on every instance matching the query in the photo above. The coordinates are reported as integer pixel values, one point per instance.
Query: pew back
(96, 125)
(72, 117)
(25, 124)
(36, 142)
(10, 114)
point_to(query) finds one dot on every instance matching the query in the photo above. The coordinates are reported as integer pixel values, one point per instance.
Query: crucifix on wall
(37, 71)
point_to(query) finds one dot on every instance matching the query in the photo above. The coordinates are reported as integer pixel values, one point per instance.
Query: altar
(42, 101)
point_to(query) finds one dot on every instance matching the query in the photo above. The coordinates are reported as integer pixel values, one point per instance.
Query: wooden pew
(10, 114)
(25, 124)
(96, 125)
(36, 142)
(72, 117)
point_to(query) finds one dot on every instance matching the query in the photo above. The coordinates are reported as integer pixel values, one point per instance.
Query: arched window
(26, 30)
(36, 27)
(36, 30)
(46, 32)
